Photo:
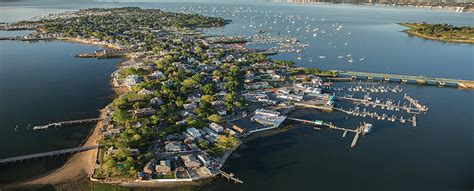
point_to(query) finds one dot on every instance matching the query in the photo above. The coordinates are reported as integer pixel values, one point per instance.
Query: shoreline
(79, 165)
(412, 33)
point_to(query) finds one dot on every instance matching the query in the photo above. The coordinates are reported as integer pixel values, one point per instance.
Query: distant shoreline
(411, 32)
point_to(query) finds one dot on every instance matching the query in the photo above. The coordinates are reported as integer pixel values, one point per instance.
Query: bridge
(464, 84)
(71, 122)
(47, 154)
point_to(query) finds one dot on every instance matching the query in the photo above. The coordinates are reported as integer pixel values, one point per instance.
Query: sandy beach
(79, 165)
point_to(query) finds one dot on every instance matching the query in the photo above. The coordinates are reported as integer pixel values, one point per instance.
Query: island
(441, 32)
(181, 95)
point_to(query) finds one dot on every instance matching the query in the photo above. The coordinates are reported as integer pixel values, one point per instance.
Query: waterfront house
(150, 167)
(131, 80)
(190, 161)
(203, 172)
(164, 167)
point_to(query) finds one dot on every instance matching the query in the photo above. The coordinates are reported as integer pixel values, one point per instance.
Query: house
(131, 80)
(190, 106)
(222, 111)
(203, 172)
(209, 131)
(204, 159)
(156, 101)
(143, 112)
(233, 133)
(190, 161)
(193, 132)
(145, 92)
(156, 74)
(173, 147)
(150, 167)
(216, 127)
(164, 167)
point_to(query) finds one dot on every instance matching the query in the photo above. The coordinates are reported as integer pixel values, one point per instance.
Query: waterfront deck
(46, 154)
(423, 80)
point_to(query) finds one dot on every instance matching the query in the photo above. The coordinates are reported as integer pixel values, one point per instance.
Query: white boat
(367, 128)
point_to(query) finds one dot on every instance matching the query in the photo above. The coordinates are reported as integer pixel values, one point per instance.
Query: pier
(422, 80)
(47, 154)
(64, 123)
(417, 109)
(332, 126)
(230, 177)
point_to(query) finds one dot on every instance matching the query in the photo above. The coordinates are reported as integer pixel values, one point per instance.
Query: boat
(367, 128)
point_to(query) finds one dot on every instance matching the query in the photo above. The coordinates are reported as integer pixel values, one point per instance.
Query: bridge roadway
(468, 84)
(47, 154)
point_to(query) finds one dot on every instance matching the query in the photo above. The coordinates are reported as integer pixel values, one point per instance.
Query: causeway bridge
(63, 123)
(422, 80)
(46, 154)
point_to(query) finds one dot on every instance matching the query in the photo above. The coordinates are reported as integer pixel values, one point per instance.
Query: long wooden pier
(47, 154)
(230, 177)
(442, 82)
(63, 123)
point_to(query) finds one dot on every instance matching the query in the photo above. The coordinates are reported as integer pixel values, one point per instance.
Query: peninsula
(182, 95)
(441, 32)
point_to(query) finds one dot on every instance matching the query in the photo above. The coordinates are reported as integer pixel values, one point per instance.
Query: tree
(214, 118)
(207, 98)
(208, 89)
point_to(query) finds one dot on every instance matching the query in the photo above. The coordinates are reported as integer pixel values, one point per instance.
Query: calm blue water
(436, 155)
(42, 82)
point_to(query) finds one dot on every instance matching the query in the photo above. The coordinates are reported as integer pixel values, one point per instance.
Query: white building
(216, 127)
(193, 132)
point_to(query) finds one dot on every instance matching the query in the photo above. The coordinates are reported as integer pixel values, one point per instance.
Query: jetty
(230, 177)
(46, 154)
(422, 80)
(64, 123)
